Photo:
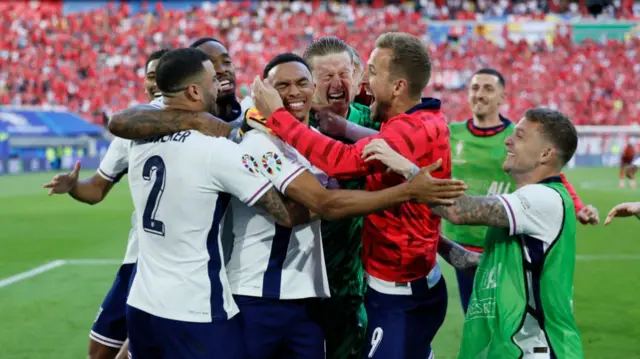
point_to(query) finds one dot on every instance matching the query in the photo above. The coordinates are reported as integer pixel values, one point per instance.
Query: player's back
(176, 182)
(406, 236)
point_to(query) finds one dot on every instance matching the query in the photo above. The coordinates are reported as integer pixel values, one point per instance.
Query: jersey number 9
(149, 223)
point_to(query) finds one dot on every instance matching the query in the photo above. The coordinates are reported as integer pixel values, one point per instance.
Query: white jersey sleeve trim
(275, 160)
(534, 210)
(512, 220)
(235, 173)
(116, 161)
(259, 193)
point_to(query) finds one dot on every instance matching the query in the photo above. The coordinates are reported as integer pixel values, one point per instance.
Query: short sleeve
(236, 174)
(534, 210)
(116, 161)
(272, 157)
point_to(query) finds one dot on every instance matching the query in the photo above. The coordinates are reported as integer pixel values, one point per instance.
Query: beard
(212, 108)
(379, 111)
(228, 107)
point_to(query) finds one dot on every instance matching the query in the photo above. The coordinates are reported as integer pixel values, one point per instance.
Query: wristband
(414, 172)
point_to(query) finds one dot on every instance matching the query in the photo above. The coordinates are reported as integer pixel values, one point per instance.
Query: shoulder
(360, 108)
(157, 102)
(538, 197)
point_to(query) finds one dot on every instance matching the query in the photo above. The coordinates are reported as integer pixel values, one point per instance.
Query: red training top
(400, 243)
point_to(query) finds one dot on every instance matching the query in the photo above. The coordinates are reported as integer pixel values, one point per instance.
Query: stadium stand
(90, 59)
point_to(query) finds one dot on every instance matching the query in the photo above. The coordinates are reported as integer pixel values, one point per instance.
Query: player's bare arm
(286, 213)
(337, 126)
(91, 190)
(333, 204)
(459, 257)
(144, 121)
(474, 210)
(623, 210)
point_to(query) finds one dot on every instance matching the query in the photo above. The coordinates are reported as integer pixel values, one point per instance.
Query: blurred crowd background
(87, 58)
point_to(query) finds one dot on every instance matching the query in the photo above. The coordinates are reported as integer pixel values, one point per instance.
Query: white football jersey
(268, 260)
(113, 166)
(177, 184)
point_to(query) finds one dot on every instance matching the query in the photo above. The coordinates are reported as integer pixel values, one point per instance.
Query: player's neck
(489, 121)
(535, 176)
(177, 103)
(402, 105)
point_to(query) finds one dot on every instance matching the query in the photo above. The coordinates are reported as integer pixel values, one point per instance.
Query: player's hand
(64, 183)
(267, 100)
(623, 210)
(331, 124)
(380, 150)
(588, 215)
(433, 191)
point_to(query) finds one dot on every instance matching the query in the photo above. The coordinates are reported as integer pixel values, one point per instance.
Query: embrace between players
(252, 250)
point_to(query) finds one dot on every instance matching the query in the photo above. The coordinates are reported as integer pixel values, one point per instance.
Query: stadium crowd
(92, 61)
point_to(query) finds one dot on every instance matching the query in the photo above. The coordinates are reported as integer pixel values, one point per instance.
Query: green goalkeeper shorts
(344, 322)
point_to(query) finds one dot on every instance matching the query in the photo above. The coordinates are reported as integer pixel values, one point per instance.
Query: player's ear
(399, 86)
(194, 92)
(548, 154)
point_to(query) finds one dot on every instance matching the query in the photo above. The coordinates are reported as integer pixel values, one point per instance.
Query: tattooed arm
(287, 213)
(475, 210)
(460, 258)
(144, 121)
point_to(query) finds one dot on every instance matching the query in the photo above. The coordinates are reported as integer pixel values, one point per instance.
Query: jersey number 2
(149, 223)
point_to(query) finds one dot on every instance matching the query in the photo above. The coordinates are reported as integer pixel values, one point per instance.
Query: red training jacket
(399, 244)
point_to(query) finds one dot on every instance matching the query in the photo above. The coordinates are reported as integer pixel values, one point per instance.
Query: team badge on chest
(271, 162)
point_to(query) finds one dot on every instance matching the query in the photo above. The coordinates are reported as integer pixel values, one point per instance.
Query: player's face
(485, 95)
(150, 87)
(223, 65)
(295, 85)
(379, 85)
(526, 148)
(207, 92)
(333, 75)
(358, 77)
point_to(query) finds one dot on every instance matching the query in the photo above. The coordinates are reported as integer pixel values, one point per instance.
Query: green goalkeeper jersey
(477, 157)
(522, 299)
(342, 238)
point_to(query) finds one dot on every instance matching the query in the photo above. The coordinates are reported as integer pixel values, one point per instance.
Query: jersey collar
(552, 179)
(428, 103)
(490, 131)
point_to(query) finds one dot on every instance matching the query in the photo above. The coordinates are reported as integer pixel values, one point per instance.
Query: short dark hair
(492, 72)
(156, 55)
(326, 45)
(410, 60)
(178, 67)
(203, 40)
(558, 129)
(283, 59)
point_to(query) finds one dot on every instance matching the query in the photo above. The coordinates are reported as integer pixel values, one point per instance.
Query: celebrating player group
(306, 222)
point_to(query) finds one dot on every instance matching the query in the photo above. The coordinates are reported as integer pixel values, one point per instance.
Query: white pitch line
(607, 257)
(32, 272)
(95, 262)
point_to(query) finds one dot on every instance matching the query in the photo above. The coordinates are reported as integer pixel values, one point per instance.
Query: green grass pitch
(49, 315)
